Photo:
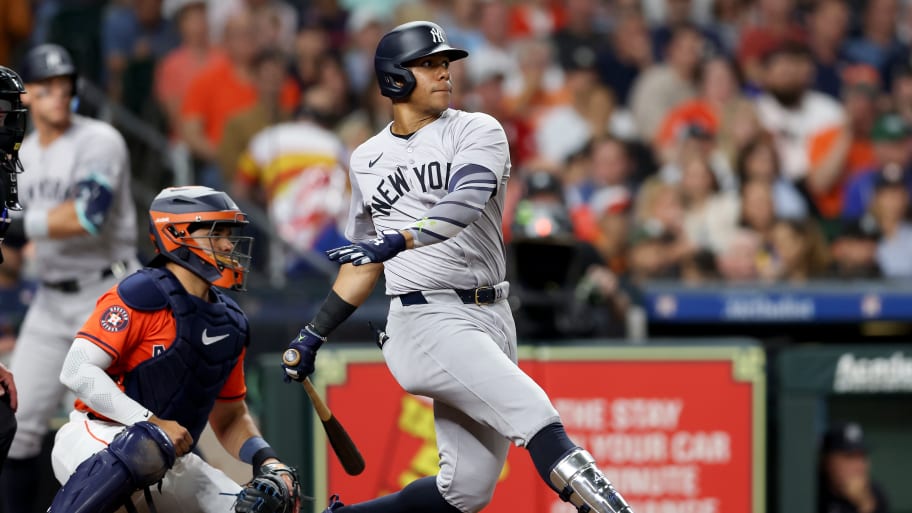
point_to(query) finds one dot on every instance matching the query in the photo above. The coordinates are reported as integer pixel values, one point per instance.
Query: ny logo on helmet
(437, 35)
(52, 60)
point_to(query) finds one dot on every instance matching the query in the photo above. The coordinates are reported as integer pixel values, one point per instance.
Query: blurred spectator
(758, 160)
(269, 73)
(662, 87)
(610, 208)
(628, 55)
(891, 137)
(861, 95)
(535, 18)
(738, 261)
(769, 22)
(487, 95)
(710, 213)
(582, 38)
(460, 22)
(496, 47)
(533, 84)
(311, 44)
(878, 45)
(854, 250)
(699, 268)
(889, 207)
(677, 13)
(329, 15)
(366, 28)
(176, 70)
(799, 251)
(833, 164)
(591, 114)
(607, 165)
(133, 32)
(728, 17)
(658, 244)
(828, 24)
(757, 212)
(15, 27)
(793, 114)
(900, 98)
(844, 480)
(274, 21)
(297, 171)
(720, 110)
(221, 90)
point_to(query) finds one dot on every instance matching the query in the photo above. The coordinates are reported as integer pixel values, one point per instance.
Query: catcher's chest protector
(182, 382)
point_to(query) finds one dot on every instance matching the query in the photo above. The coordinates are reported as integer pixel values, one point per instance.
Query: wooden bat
(342, 444)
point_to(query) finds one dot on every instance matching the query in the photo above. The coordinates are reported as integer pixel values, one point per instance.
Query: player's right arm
(100, 345)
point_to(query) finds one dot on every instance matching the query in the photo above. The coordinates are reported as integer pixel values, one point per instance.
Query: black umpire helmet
(404, 44)
(48, 61)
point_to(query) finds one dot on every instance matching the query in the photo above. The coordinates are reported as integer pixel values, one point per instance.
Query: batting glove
(298, 360)
(387, 245)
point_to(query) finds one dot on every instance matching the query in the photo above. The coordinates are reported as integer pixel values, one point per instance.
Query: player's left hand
(388, 244)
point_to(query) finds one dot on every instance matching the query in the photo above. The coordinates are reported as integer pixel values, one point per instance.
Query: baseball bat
(342, 444)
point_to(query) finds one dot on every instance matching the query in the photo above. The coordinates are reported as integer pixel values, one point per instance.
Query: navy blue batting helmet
(47, 61)
(404, 44)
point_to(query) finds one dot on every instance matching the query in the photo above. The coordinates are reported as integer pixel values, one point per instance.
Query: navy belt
(73, 286)
(479, 296)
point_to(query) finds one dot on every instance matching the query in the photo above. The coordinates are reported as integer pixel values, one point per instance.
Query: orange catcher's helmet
(179, 211)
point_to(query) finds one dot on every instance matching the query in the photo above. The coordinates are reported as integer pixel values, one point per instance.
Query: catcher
(149, 374)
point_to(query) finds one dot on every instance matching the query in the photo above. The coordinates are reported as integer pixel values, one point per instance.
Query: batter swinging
(427, 204)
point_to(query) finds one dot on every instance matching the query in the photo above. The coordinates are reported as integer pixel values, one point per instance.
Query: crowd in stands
(696, 140)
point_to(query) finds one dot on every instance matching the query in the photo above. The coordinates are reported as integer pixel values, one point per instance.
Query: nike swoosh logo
(372, 162)
(207, 340)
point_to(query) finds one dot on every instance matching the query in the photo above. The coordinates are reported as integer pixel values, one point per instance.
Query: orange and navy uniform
(132, 336)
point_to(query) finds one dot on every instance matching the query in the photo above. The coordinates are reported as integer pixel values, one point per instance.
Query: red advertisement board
(676, 430)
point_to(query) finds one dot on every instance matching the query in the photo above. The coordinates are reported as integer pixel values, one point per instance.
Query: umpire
(12, 131)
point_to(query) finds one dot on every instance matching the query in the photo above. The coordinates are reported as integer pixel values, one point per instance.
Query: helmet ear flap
(397, 82)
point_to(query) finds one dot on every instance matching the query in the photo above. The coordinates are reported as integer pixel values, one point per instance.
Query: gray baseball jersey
(88, 150)
(395, 181)
(463, 356)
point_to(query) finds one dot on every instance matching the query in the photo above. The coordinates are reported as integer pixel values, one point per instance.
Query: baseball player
(79, 213)
(427, 201)
(161, 355)
(12, 130)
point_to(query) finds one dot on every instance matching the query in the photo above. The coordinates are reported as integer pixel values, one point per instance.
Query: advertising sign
(677, 430)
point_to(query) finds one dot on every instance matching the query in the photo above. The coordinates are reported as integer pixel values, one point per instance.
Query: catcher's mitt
(269, 493)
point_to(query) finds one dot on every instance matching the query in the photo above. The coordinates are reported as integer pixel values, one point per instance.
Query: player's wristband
(255, 451)
(35, 224)
(332, 313)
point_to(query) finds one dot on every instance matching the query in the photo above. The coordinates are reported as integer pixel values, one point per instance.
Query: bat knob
(291, 357)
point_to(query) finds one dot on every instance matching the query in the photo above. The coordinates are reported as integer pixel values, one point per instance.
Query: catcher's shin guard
(139, 456)
(582, 484)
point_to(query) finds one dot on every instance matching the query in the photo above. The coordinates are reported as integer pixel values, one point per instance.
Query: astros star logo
(114, 319)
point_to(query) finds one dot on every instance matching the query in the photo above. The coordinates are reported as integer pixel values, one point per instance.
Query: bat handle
(291, 357)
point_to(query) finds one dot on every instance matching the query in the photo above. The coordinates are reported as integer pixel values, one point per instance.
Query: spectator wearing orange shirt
(180, 66)
(836, 155)
(223, 89)
(794, 114)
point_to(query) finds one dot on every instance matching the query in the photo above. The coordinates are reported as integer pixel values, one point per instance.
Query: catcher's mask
(12, 131)
(220, 256)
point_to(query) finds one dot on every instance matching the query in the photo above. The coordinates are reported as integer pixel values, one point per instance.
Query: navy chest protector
(182, 382)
